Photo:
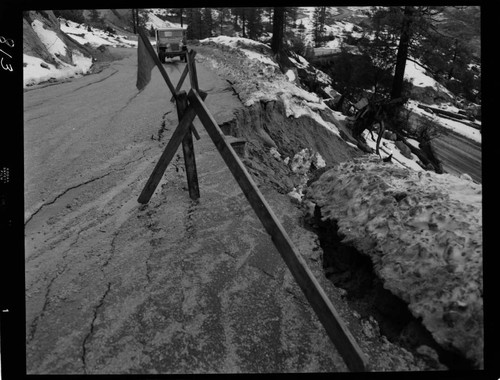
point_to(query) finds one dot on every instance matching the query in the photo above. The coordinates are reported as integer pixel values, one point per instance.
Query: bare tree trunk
(278, 22)
(404, 41)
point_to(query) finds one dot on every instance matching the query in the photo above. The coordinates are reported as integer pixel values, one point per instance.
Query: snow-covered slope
(95, 37)
(261, 80)
(61, 60)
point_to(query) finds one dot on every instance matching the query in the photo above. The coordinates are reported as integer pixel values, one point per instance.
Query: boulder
(403, 148)
(388, 135)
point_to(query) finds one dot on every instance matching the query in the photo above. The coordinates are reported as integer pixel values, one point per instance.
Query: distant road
(344, 12)
(459, 155)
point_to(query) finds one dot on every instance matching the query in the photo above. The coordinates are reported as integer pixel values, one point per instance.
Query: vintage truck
(171, 42)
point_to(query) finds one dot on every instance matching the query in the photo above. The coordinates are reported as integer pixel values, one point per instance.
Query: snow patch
(290, 75)
(49, 38)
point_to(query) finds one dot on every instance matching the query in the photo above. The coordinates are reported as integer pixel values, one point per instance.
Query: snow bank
(49, 38)
(416, 74)
(388, 147)
(259, 79)
(423, 233)
(96, 37)
(36, 70)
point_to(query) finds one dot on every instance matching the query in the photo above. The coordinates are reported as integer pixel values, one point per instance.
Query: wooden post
(168, 153)
(322, 306)
(184, 74)
(192, 72)
(188, 151)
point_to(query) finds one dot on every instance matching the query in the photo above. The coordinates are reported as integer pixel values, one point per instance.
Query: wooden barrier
(188, 108)
(168, 153)
(181, 135)
(328, 316)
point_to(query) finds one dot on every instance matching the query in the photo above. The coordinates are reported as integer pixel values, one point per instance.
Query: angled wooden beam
(322, 306)
(152, 52)
(168, 153)
(188, 151)
(184, 73)
(153, 55)
(193, 76)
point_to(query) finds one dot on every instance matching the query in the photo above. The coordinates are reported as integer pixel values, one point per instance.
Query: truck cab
(171, 42)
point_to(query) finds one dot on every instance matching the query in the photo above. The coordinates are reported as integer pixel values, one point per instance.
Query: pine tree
(95, 18)
(222, 17)
(278, 30)
(402, 55)
(319, 17)
(254, 22)
(291, 14)
(142, 18)
(399, 33)
(194, 21)
(207, 25)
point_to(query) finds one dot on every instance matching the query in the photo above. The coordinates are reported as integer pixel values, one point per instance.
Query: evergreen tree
(395, 30)
(142, 18)
(319, 17)
(291, 14)
(438, 37)
(223, 12)
(254, 23)
(194, 21)
(402, 55)
(278, 30)
(75, 15)
(94, 18)
(207, 25)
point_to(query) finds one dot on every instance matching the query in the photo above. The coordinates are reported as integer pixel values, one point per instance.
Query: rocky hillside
(44, 39)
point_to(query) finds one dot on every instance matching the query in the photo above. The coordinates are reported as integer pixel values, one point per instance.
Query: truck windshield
(171, 33)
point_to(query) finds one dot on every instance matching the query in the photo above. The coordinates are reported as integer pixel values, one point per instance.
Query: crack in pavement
(83, 184)
(125, 106)
(34, 323)
(63, 193)
(100, 304)
(91, 331)
(37, 117)
(234, 90)
(113, 249)
(98, 81)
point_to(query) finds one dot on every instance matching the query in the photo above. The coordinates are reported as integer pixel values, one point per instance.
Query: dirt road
(459, 155)
(171, 287)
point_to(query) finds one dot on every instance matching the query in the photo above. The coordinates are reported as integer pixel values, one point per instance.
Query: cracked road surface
(174, 286)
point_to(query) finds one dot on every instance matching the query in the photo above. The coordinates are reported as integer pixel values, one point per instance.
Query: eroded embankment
(267, 130)
(421, 233)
